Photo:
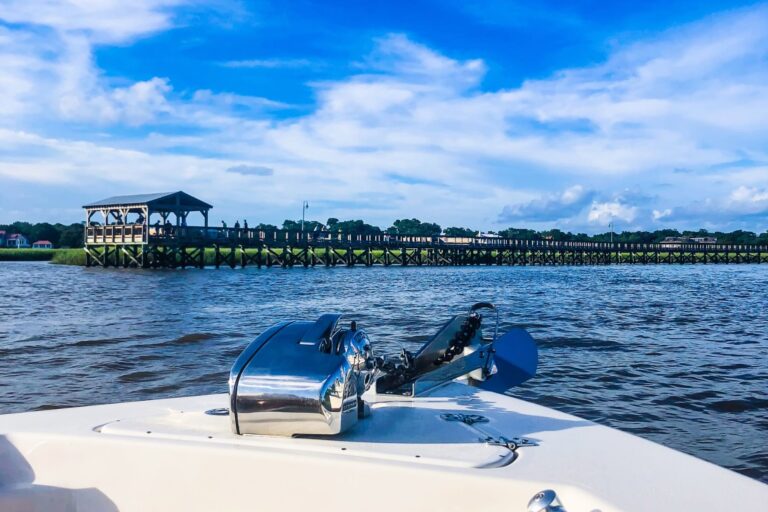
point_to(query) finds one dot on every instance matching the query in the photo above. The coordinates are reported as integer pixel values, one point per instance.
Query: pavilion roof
(160, 200)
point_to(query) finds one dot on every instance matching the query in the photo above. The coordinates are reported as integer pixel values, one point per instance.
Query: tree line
(359, 227)
(62, 235)
(415, 227)
(739, 237)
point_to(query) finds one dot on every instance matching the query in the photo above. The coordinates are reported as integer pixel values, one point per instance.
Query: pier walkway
(153, 247)
(127, 237)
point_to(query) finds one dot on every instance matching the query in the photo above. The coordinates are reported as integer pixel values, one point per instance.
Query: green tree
(355, 227)
(454, 231)
(661, 234)
(414, 227)
(295, 225)
(520, 234)
(71, 236)
(45, 231)
(557, 235)
(740, 237)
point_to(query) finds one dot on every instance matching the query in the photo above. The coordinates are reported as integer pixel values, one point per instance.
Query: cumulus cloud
(732, 208)
(137, 104)
(550, 207)
(604, 213)
(692, 99)
(49, 70)
(577, 202)
(397, 55)
(103, 21)
(68, 162)
(749, 199)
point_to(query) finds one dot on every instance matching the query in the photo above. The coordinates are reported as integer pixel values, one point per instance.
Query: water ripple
(675, 354)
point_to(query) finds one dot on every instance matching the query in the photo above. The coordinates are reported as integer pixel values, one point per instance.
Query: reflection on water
(676, 354)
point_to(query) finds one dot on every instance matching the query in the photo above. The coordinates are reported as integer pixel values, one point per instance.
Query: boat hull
(170, 455)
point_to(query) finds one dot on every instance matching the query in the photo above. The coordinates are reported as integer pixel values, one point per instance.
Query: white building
(42, 244)
(676, 241)
(17, 241)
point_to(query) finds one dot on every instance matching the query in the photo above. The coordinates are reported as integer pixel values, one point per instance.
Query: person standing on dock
(237, 228)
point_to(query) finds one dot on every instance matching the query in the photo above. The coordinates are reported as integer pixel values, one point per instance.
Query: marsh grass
(26, 254)
(68, 257)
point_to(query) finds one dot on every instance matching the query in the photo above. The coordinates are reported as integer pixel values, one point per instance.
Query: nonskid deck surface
(401, 431)
(171, 455)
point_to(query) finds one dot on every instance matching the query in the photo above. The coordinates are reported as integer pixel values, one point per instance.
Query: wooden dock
(137, 246)
(128, 238)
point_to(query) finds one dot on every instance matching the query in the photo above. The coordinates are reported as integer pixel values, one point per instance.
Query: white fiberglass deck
(168, 455)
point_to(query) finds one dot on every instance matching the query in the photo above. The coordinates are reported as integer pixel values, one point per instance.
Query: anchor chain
(461, 339)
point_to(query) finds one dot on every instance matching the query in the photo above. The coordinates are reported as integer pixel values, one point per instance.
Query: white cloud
(137, 104)
(693, 98)
(749, 197)
(224, 101)
(603, 213)
(72, 162)
(102, 21)
(564, 205)
(49, 72)
(396, 54)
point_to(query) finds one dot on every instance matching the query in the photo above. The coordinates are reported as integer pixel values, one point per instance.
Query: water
(676, 354)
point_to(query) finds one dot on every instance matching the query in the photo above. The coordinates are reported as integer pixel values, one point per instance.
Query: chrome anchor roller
(545, 501)
(309, 377)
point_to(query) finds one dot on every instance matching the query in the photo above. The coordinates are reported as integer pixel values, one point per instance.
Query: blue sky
(484, 113)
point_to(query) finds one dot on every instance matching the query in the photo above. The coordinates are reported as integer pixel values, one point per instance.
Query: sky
(476, 113)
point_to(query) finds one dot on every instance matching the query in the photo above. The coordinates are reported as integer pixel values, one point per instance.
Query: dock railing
(132, 234)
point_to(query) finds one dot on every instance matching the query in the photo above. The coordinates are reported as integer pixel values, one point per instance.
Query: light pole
(304, 207)
(610, 226)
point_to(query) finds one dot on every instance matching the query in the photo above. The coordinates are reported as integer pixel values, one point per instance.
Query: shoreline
(77, 257)
(57, 256)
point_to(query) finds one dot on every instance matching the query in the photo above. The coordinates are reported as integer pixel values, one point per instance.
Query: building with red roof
(42, 244)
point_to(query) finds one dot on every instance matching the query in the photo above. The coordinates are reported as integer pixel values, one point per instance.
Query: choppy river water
(676, 354)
